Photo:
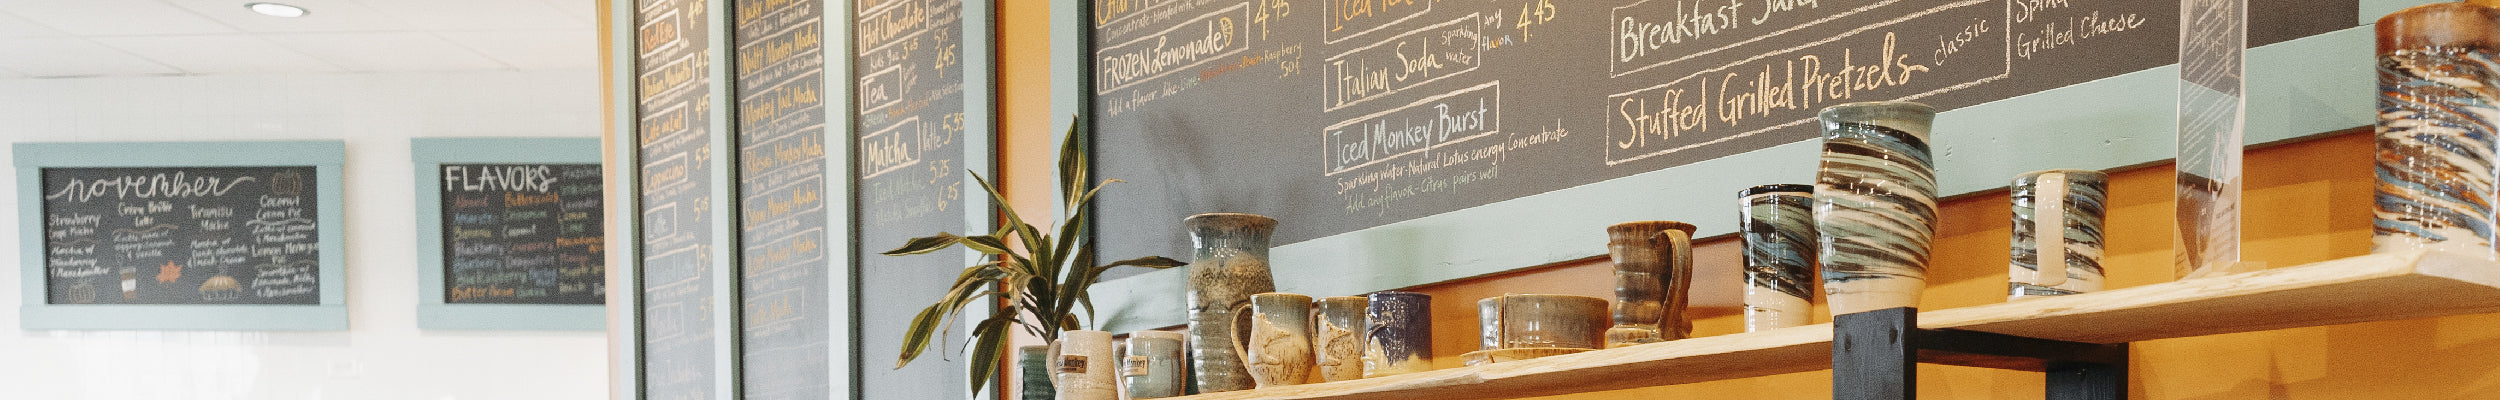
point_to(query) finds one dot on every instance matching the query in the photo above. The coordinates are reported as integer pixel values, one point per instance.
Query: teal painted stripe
(512, 317)
(184, 318)
(624, 208)
(2297, 88)
(172, 154)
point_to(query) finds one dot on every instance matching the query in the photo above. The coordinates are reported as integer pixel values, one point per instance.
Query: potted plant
(1038, 282)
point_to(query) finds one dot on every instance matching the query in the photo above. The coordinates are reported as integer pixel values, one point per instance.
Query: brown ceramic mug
(1543, 321)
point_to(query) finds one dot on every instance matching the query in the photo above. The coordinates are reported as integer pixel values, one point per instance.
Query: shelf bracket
(1875, 356)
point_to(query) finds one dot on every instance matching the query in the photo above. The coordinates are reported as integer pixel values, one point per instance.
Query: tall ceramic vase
(1778, 232)
(2439, 96)
(1086, 370)
(1875, 205)
(1229, 265)
(2057, 232)
(1653, 274)
(1037, 367)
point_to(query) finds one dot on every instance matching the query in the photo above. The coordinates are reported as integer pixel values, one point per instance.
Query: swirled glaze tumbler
(2437, 107)
(1778, 234)
(1875, 204)
(1229, 265)
(2057, 232)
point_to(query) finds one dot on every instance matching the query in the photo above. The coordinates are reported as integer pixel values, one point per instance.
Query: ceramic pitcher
(1229, 265)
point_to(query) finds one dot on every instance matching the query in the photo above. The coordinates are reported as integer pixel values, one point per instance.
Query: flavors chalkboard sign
(522, 234)
(1342, 115)
(675, 164)
(910, 147)
(786, 330)
(182, 235)
(514, 232)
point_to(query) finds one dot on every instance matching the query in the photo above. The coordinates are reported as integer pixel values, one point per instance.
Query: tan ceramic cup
(1339, 337)
(1543, 321)
(1279, 351)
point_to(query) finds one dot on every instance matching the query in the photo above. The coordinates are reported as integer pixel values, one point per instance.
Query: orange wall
(2305, 202)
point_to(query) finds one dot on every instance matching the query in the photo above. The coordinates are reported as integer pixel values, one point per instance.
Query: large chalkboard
(182, 235)
(1337, 116)
(522, 234)
(780, 85)
(674, 136)
(909, 146)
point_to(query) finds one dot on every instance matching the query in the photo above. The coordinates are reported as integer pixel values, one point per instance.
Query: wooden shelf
(2350, 290)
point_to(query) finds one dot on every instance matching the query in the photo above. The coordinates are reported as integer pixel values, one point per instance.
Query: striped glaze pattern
(2437, 113)
(1875, 205)
(1779, 241)
(2083, 197)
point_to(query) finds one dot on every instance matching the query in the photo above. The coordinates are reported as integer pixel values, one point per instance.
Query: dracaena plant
(1038, 283)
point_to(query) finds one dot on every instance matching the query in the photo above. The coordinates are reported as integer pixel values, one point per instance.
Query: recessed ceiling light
(276, 10)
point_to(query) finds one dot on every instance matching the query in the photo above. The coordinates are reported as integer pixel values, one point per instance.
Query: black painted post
(2087, 381)
(1871, 355)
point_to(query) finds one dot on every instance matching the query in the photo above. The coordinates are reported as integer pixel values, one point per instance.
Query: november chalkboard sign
(673, 136)
(1342, 115)
(909, 142)
(182, 235)
(522, 234)
(786, 330)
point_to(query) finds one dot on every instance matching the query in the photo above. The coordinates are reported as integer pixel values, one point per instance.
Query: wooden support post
(1871, 355)
(1874, 357)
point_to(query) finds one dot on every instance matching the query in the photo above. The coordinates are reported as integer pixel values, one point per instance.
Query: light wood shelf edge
(2357, 289)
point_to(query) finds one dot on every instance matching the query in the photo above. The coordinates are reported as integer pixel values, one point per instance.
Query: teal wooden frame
(428, 156)
(327, 157)
(2297, 89)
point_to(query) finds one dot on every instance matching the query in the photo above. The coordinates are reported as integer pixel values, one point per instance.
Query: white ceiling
(82, 38)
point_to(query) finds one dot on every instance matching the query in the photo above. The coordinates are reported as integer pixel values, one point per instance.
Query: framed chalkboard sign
(510, 234)
(181, 236)
(1407, 143)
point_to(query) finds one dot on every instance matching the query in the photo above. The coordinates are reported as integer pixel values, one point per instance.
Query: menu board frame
(2298, 88)
(428, 156)
(326, 157)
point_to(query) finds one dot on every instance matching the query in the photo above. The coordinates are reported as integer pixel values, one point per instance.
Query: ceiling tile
(65, 57)
(478, 15)
(586, 11)
(14, 27)
(218, 53)
(534, 49)
(113, 17)
(385, 51)
(323, 16)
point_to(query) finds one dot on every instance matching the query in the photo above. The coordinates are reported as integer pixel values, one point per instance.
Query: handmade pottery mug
(1653, 275)
(1399, 339)
(1278, 352)
(2436, 130)
(1875, 204)
(2057, 232)
(1085, 367)
(1543, 321)
(1776, 223)
(1153, 366)
(1338, 337)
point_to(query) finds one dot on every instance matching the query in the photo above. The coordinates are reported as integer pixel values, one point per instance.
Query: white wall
(384, 355)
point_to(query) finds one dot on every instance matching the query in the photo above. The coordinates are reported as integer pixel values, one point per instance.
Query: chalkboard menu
(182, 235)
(522, 234)
(674, 137)
(1341, 115)
(783, 273)
(910, 149)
